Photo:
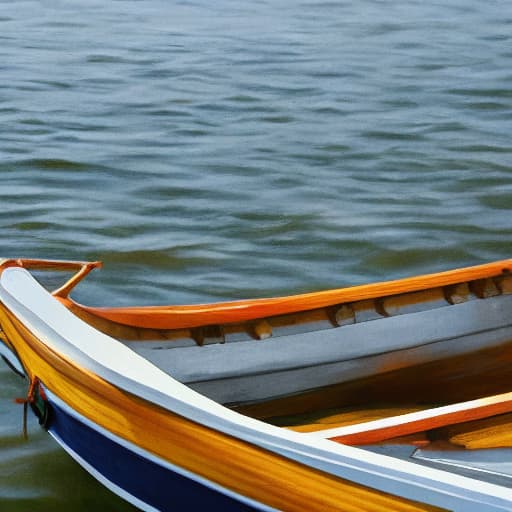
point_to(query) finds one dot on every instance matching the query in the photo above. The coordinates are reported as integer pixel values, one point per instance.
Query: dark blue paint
(153, 484)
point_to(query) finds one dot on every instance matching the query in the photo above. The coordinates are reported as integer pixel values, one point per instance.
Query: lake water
(230, 149)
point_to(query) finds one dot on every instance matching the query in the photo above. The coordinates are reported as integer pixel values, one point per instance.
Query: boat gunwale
(177, 317)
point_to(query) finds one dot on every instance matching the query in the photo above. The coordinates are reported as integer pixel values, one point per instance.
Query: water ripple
(228, 150)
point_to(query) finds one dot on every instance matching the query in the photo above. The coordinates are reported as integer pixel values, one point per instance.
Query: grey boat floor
(490, 465)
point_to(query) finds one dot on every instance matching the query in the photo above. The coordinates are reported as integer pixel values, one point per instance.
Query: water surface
(208, 151)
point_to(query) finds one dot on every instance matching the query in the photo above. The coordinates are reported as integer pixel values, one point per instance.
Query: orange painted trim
(182, 317)
(412, 423)
(230, 462)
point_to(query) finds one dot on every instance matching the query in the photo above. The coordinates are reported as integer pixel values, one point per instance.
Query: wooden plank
(406, 424)
(348, 417)
(495, 432)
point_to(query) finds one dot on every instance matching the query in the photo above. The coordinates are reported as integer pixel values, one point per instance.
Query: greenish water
(212, 150)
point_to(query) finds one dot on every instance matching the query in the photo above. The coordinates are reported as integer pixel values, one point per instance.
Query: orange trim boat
(255, 404)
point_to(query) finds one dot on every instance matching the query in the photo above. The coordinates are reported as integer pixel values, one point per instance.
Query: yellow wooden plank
(493, 432)
(349, 417)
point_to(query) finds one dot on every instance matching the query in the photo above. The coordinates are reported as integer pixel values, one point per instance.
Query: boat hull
(162, 446)
(139, 477)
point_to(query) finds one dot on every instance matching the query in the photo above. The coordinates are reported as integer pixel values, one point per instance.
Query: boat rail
(83, 268)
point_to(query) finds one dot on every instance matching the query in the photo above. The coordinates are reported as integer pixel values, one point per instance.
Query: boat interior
(455, 415)
(480, 448)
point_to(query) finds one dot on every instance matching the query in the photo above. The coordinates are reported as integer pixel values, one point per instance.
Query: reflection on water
(223, 150)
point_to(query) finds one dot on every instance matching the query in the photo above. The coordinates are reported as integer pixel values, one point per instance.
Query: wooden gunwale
(190, 316)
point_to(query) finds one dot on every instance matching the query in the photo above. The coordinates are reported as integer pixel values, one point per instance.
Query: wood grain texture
(495, 432)
(244, 468)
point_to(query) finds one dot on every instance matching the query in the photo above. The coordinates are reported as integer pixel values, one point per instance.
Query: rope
(29, 399)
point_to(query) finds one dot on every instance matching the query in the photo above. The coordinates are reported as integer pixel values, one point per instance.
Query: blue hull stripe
(155, 485)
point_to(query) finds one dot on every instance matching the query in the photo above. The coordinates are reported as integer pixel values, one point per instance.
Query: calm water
(211, 150)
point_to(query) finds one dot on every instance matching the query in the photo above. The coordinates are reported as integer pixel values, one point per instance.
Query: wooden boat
(393, 395)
